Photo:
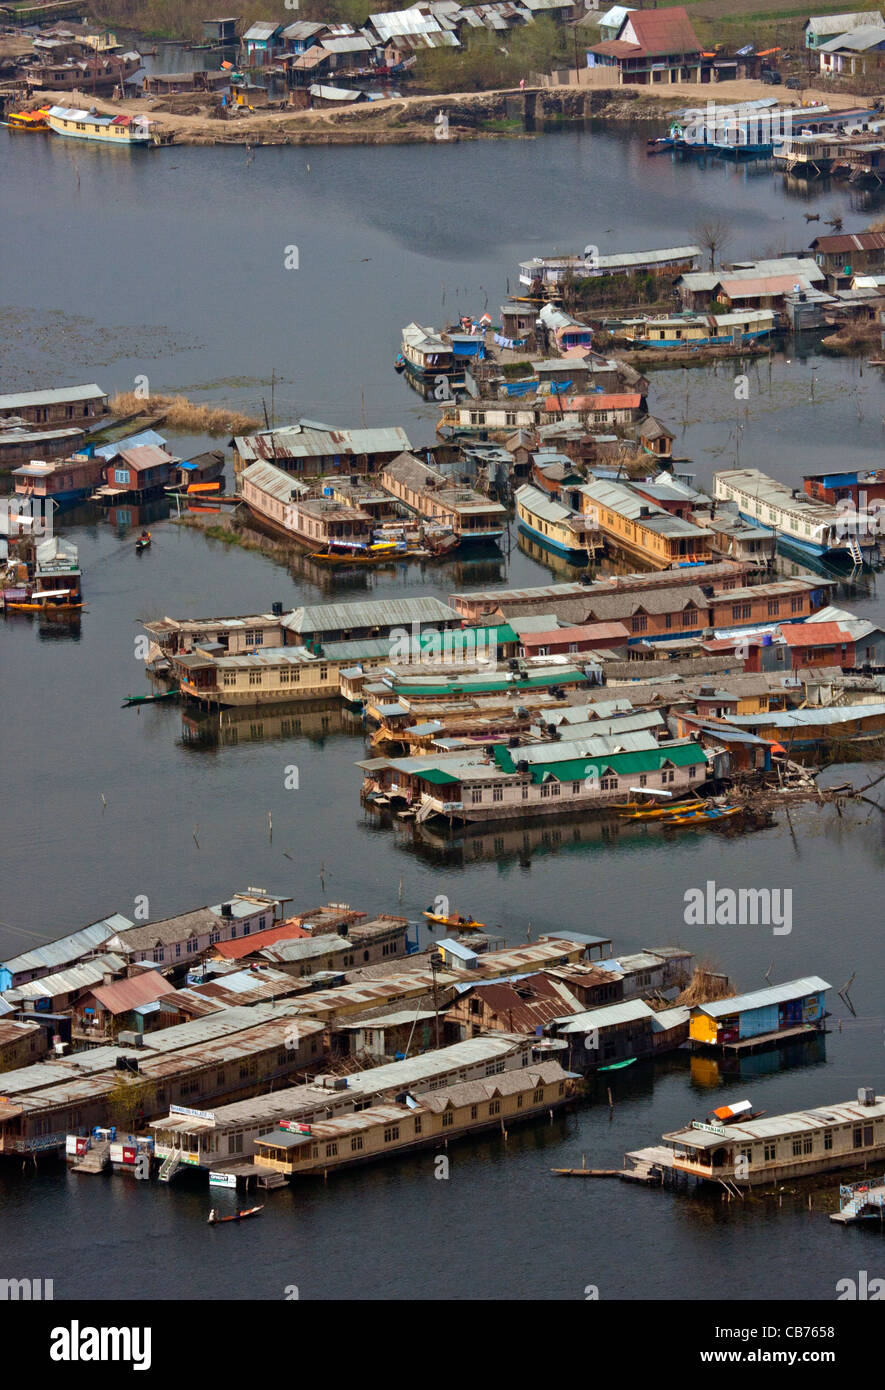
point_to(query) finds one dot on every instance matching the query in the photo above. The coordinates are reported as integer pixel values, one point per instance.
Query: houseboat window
(538, 1095)
(774, 607)
(691, 773)
(545, 788)
(856, 1137)
(473, 1112)
(797, 1148)
(158, 953)
(391, 1133)
(497, 793)
(525, 791)
(475, 795)
(448, 1119)
(807, 1144)
(356, 1143)
(576, 787)
(192, 945)
(255, 677)
(495, 1107)
(867, 1134)
(609, 784)
(643, 778)
(121, 475)
(331, 1151)
(178, 948)
(554, 789)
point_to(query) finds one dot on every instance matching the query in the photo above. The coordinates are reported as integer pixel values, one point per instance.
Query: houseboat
(427, 493)
(426, 355)
(290, 509)
(700, 330)
(635, 525)
(297, 1149)
(197, 471)
(64, 480)
(801, 524)
(774, 1148)
(273, 675)
(555, 526)
(500, 783)
(114, 130)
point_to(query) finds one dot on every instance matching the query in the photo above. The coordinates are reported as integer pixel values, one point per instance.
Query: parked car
(771, 78)
(794, 84)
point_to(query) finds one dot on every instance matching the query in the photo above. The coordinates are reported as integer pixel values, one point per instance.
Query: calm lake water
(171, 265)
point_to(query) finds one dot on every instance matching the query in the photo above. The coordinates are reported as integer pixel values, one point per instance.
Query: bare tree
(713, 235)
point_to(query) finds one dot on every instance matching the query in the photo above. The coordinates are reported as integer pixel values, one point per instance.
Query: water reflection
(313, 720)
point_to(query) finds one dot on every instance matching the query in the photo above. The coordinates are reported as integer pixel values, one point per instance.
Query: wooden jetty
(95, 1160)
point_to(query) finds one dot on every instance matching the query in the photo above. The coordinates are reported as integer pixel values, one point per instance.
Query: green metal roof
(644, 760)
(436, 775)
(482, 683)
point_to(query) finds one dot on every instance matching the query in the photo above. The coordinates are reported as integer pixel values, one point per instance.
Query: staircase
(854, 550)
(95, 1160)
(170, 1166)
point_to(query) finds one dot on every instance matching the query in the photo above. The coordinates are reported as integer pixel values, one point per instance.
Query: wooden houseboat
(556, 526)
(427, 493)
(426, 355)
(297, 1149)
(801, 524)
(764, 1016)
(63, 480)
(77, 124)
(290, 508)
(273, 675)
(776, 1148)
(643, 530)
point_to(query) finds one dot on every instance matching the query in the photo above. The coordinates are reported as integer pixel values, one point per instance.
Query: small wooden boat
(216, 1220)
(709, 815)
(151, 699)
(28, 120)
(143, 542)
(665, 812)
(461, 923)
(374, 554)
(53, 601)
(618, 1066)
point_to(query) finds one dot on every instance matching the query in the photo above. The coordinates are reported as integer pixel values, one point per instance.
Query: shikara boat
(151, 699)
(708, 815)
(461, 923)
(55, 601)
(28, 120)
(143, 542)
(664, 812)
(216, 1220)
(345, 554)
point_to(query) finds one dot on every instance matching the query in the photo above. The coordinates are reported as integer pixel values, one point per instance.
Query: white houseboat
(812, 528)
(90, 125)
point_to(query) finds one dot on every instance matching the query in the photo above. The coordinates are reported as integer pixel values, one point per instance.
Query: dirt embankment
(413, 119)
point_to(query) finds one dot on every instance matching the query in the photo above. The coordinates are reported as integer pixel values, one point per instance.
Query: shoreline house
(821, 29)
(860, 53)
(763, 1016)
(651, 47)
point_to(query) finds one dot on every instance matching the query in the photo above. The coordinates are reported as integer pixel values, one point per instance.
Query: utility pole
(435, 962)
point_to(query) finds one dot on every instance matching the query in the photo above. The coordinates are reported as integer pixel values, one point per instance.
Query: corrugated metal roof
(134, 441)
(68, 948)
(761, 998)
(68, 981)
(394, 612)
(61, 396)
(123, 995)
(609, 1017)
(273, 481)
(261, 31)
(778, 1126)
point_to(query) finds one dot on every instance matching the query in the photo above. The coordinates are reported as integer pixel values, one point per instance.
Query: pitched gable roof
(660, 32)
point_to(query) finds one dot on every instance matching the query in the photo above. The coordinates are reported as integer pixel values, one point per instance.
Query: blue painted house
(792, 1007)
(262, 42)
